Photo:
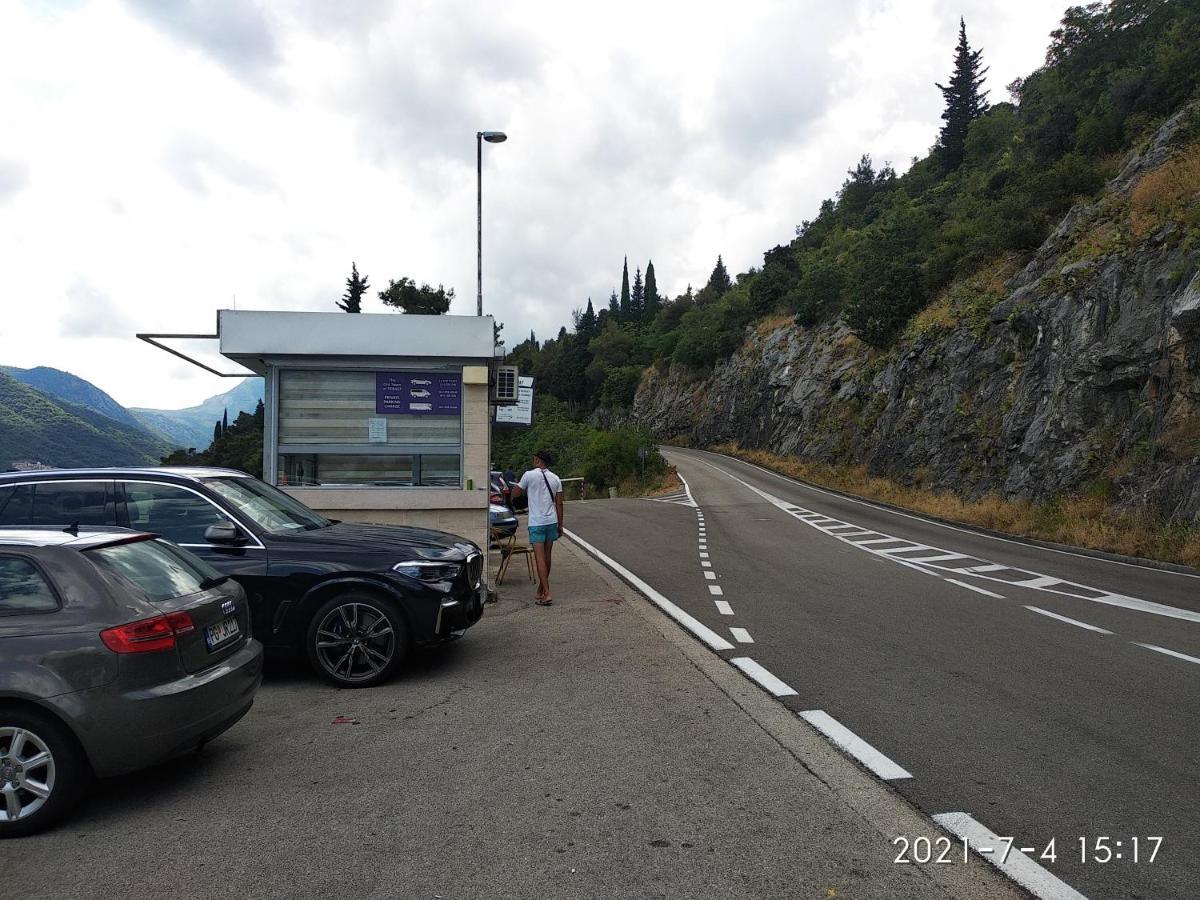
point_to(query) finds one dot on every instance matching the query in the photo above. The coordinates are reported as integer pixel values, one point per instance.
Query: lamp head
(494, 137)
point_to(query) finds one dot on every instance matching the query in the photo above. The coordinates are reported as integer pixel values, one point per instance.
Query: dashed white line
(703, 555)
(978, 590)
(1076, 622)
(711, 576)
(852, 744)
(715, 590)
(696, 627)
(741, 635)
(1174, 653)
(755, 672)
(724, 608)
(1015, 864)
(705, 564)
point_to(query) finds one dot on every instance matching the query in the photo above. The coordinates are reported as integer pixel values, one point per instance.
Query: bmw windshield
(269, 508)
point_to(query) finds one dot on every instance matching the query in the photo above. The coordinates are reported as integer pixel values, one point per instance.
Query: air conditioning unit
(506, 388)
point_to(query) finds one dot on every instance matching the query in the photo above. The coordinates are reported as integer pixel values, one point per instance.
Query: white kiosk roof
(251, 336)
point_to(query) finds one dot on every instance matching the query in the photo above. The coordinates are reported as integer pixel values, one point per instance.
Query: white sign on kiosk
(521, 412)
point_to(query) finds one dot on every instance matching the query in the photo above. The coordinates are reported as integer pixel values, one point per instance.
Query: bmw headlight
(428, 570)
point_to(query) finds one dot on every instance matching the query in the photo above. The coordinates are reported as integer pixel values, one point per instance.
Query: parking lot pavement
(588, 749)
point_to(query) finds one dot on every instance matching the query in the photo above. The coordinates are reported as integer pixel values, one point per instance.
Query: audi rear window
(160, 570)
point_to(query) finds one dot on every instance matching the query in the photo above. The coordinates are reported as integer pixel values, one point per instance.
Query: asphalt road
(1048, 695)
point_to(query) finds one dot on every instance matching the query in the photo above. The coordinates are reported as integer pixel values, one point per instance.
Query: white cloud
(169, 158)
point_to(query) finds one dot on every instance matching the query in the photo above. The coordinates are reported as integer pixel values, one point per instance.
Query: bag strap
(550, 491)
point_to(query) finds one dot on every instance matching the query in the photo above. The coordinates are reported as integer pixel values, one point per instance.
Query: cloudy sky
(163, 159)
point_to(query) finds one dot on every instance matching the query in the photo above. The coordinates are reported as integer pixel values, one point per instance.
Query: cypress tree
(225, 421)
(652, 302)
(217, 431)
(719, 281)
(965, 102)
(637, 298)
(623, 312)
(614, 308)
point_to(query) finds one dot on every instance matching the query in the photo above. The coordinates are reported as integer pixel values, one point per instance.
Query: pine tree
(624, 312)
(614, 308)
(356, 286)
(587, 322)
(637, 298)
(652, 302)
(719, 281)
(965, 102)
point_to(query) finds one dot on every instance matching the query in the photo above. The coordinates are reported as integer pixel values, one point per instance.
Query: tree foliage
(356, 287)
(965, 101)
(404, 294)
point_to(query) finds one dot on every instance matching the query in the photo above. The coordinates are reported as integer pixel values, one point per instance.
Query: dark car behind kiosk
(353, 598)
(117, 650)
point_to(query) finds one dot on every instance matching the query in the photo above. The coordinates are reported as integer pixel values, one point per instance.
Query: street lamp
(492, 137)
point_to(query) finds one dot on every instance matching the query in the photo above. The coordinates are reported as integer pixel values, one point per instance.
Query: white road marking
(851, 743)
(1046, 612)
(978, 590)
(1174, 653)
(1046, 583)
(1040, 582)
(1015, 864)
(927, 521)
(724, 608)
(704, 556)
(706, 564)
(909, 549)
(711, 576)
(692, 624)
(938, 558)
(741, 635)
(757, 673)
(715, 590)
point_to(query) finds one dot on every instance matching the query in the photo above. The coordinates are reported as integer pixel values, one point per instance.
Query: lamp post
(492, 137)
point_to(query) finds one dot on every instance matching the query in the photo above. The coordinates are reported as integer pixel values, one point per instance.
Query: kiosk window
(330, 432)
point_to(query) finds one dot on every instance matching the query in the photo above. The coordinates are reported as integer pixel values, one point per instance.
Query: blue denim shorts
(543, 534)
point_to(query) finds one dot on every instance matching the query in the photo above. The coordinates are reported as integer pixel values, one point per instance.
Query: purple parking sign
(417, 394)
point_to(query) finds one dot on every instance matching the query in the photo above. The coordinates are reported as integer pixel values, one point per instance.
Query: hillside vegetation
(36, 426)
(936, 244)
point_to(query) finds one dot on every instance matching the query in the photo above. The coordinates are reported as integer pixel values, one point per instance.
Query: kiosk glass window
(331, 432)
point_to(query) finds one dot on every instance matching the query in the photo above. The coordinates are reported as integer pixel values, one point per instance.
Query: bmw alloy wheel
(355, 642)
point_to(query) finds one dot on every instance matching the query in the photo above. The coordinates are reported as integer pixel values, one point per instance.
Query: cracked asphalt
(588, 749)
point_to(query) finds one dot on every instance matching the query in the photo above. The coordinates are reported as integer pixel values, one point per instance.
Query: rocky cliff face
(1079, 372)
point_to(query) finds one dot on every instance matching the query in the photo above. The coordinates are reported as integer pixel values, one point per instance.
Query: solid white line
(1017, 866)
(711, 576)
(691, 501)
(741, 635)
(724, 608)
(1046, 612)
(696, 627)
(946, 525)
(757, 673)
(715, 590)
(851, 743)
(978, 590)
(1174, 653)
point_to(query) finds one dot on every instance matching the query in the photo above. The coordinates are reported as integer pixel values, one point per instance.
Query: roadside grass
(1167, 194)
(1086, 520)
(651, 486)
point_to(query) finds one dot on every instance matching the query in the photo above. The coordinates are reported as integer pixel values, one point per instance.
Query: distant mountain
(193, 427)
(74, 390)
(38, 427)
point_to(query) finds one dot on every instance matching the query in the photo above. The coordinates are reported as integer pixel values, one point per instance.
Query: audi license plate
(215, 635)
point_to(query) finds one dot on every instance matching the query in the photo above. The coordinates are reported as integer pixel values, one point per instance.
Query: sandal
(544, 601)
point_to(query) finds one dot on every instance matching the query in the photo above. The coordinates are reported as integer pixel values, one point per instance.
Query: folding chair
(508, 551)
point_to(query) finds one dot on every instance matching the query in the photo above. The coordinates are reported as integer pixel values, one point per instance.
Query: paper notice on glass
(376, 431)
(521, 412)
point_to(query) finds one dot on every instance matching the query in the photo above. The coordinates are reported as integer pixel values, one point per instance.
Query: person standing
(544, 490)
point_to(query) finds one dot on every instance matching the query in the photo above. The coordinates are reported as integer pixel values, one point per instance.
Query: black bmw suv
(353, 598)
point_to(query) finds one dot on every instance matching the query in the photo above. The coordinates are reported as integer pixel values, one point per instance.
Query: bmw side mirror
(223, 533)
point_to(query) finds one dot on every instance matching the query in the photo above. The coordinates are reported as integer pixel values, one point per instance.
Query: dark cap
(545, 456)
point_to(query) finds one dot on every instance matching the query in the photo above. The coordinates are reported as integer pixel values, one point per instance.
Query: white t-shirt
(541, 502)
